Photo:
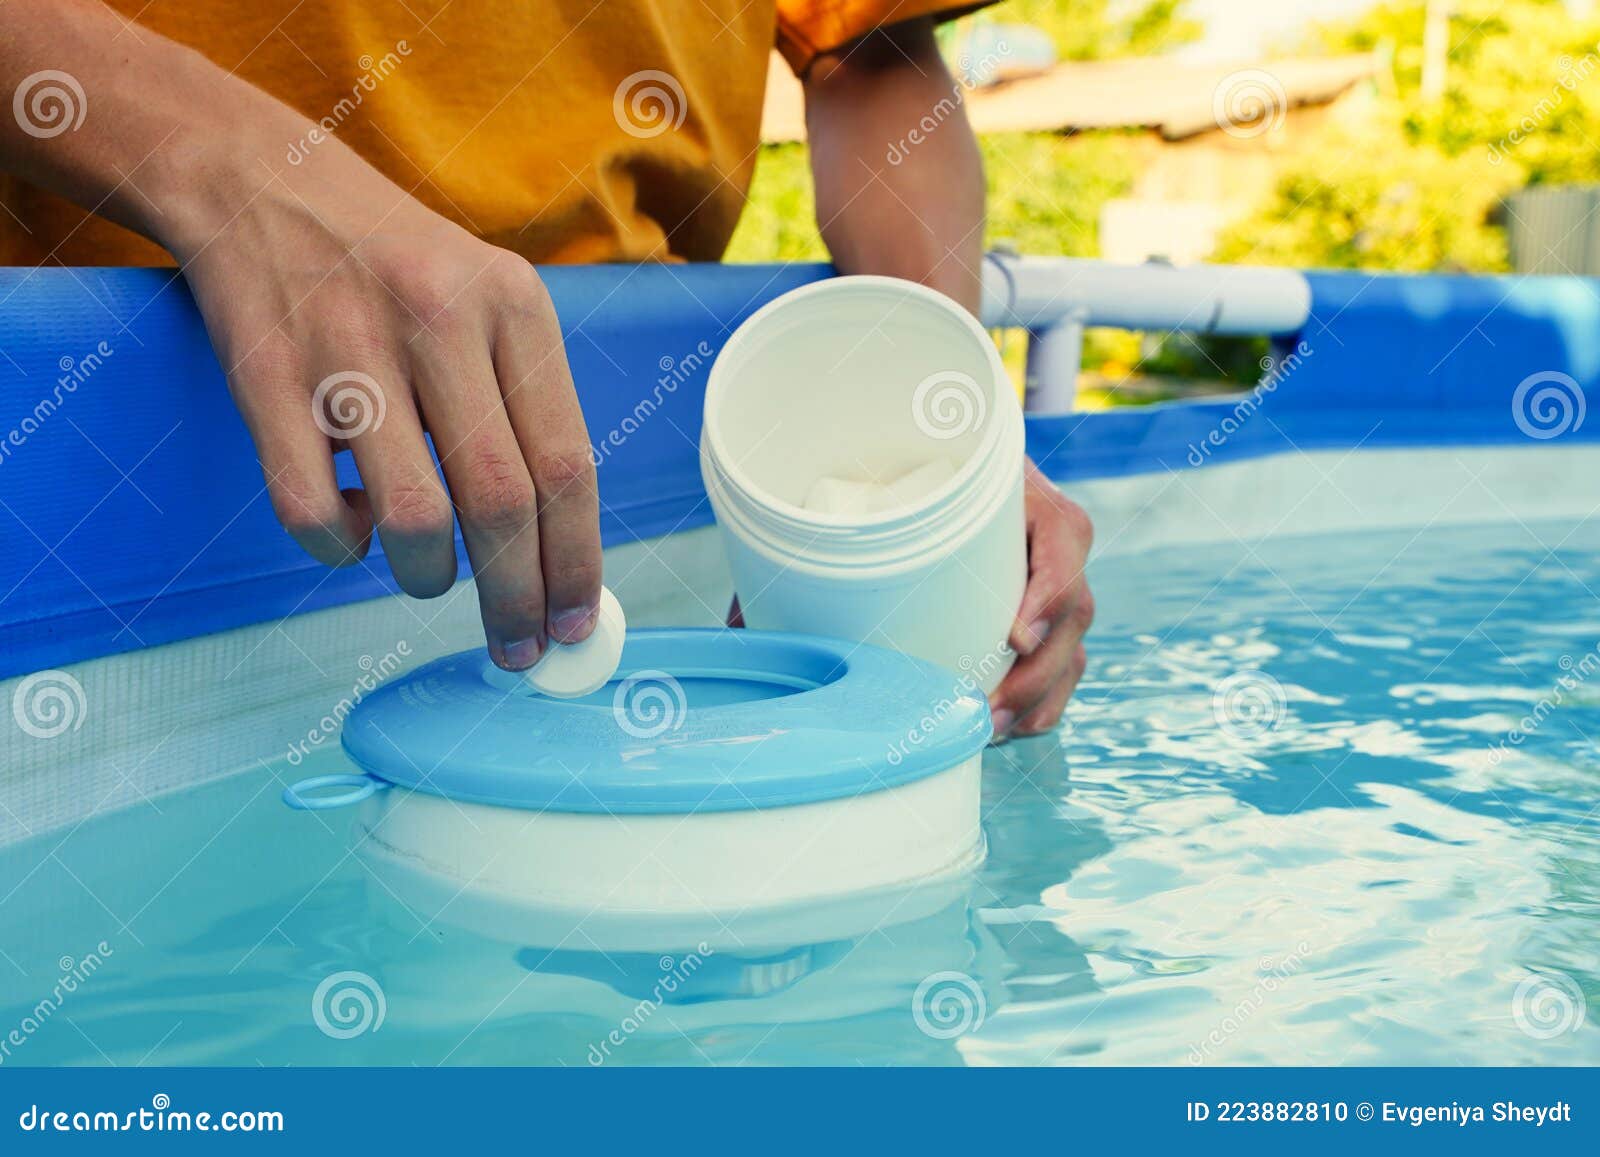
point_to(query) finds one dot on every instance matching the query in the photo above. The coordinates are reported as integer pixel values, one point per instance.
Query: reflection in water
(1319, 801)
(647, 987)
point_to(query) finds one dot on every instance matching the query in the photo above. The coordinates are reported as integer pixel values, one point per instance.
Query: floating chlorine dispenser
(716, 769)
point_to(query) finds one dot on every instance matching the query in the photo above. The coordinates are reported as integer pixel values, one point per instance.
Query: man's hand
(349, 315)
(1056, 611)
(346, 315)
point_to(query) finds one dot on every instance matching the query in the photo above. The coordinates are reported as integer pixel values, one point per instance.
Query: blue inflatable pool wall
(132, 510)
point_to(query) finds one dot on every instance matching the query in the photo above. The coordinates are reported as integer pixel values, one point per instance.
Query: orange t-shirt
(567, 130)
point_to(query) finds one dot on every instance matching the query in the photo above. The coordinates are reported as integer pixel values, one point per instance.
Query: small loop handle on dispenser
(361, 787)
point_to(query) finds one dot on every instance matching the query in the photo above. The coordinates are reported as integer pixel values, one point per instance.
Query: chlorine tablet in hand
(573, 670)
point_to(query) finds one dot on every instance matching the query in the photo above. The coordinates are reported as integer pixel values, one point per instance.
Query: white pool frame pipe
(1055, 298)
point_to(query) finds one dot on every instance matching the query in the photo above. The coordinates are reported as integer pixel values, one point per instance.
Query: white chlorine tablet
(573, 670)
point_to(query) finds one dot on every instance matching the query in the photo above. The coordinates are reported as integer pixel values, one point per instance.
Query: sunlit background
(1451, 135)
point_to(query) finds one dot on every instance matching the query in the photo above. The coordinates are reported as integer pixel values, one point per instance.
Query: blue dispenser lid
(694, 720)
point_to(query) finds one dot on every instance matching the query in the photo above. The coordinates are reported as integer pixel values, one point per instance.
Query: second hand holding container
(863, 452)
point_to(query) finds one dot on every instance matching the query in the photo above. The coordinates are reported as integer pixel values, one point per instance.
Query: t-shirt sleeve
(809, 27)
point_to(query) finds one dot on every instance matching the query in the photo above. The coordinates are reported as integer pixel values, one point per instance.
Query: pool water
(1325, 800)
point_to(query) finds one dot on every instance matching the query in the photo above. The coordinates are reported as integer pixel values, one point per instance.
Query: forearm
(899, 179)
(168, 144)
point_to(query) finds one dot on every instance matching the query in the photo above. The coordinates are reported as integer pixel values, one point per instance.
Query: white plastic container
(871, 380)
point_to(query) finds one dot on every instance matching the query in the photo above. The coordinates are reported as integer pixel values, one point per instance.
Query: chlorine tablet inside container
(573, 670)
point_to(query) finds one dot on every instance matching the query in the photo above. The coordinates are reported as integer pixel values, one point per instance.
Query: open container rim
(742, 347)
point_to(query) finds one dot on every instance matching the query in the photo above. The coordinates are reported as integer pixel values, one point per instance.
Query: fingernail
(1003, 719)
(1034, 636)
(521, 655)
(574, 625)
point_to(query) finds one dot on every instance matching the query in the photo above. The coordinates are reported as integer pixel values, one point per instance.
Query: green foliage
(1522, 81)
(1192, 355)
(1045, 194)
(1046, 190)
(1160, 26)
(1372, 199)
(1415, 189)
(1098, 29)
(779, 222)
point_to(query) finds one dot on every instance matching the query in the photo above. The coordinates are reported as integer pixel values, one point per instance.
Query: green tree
(1415, 189)
(1522, 81)
(1375, 199)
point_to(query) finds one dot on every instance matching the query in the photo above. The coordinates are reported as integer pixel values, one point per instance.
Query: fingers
(1059, 537)
(484, 372)
(376, 416)
(492, 492)
(297, 463)
(1044, 715)
(546, 420)
(1056, 612)
(1036, 682)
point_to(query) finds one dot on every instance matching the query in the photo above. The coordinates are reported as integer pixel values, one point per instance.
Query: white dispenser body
(861, 387)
